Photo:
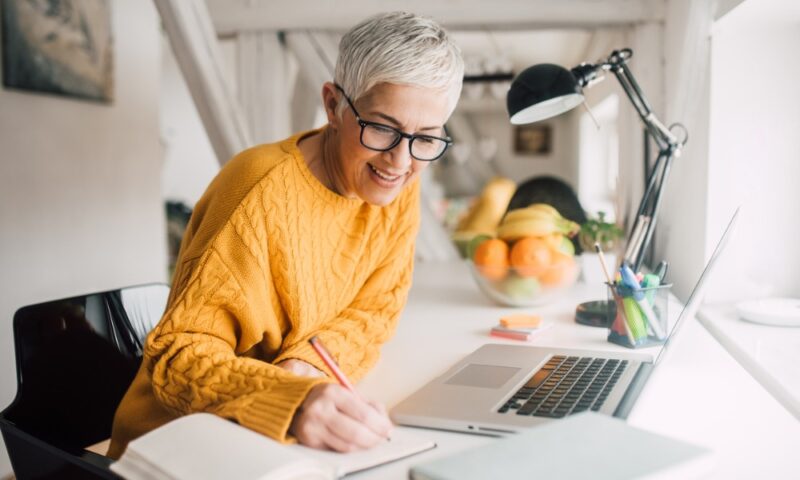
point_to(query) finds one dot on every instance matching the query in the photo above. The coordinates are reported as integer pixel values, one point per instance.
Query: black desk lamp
(546, 90)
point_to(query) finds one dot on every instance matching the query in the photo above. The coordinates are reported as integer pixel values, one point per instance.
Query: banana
(545, 208)
(485, 214)
(536, 225)
(535, 210)
(539, 219)
(514, 215)
(527, 215)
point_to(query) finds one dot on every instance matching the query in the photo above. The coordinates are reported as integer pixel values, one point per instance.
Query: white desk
(771, 354)
(698, 394)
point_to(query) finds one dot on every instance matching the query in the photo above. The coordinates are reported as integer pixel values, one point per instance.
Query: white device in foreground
(784, 312)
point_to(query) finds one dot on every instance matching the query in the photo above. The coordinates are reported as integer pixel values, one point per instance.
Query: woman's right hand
(332, 417)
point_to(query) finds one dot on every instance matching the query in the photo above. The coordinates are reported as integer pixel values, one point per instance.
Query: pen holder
(640, 316)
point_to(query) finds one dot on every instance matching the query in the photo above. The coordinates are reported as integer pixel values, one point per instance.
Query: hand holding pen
(334, 416)
(329, 362)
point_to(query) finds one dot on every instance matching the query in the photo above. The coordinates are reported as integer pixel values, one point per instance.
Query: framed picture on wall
(61, 47)
(533, 139)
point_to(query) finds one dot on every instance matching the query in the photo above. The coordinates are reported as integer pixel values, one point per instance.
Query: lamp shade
(542, 91)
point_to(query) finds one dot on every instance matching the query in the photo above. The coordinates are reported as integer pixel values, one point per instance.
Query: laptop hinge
(634, 389)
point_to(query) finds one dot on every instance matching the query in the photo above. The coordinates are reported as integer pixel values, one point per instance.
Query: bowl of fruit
(530, 261)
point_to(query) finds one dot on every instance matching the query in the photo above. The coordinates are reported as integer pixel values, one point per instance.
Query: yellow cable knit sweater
(270, 258)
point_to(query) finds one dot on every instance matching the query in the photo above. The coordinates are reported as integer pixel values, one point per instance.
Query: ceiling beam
(723, 7)
(230, 16)
(196, 48)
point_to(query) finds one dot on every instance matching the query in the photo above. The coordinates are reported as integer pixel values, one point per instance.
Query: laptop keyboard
(566, 385)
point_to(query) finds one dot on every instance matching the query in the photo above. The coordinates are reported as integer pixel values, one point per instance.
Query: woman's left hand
(301, 368)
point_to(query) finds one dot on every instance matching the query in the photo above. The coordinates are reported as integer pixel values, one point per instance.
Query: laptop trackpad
(482, 376)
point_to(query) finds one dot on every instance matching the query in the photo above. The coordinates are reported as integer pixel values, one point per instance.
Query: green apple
(566, 246)
(474, 243)
(520, 288)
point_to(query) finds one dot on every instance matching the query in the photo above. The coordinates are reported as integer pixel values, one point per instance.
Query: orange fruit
(491, 258)
(531, 256)
(560, 243)
(475, 243)
(561, 272)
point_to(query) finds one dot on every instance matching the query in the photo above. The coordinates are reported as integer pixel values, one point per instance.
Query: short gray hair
(400, 48)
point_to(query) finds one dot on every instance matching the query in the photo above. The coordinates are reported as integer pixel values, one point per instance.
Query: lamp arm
(669, 148)
(617, 62)
(669, 144)
(588, 74)
(658, 130)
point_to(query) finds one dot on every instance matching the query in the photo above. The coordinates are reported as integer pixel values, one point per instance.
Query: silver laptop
(500, 389)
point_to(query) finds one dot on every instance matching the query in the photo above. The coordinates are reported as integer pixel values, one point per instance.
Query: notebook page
(403, 444)
(203, 446)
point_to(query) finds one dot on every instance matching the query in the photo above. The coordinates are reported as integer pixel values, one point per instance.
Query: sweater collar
(290, 146)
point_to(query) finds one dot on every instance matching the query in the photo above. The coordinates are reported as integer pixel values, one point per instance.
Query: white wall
(681, 236)
(189, 159)
(598, 159)
(80, 190)
(561, 161)
(742, 115)
(755, 148)
(486, 120)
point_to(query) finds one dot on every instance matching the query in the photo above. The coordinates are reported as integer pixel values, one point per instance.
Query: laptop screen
(697, 293)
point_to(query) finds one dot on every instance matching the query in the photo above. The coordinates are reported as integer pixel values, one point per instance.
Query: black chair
(76, 358)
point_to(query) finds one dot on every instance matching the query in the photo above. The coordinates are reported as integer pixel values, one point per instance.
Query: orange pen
(326, 357)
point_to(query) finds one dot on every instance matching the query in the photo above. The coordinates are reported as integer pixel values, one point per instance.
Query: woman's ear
(330, 100)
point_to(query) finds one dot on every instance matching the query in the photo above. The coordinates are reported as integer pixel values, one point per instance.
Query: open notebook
(203, 446)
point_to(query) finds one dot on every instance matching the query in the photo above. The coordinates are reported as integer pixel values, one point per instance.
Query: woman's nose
(400, 156)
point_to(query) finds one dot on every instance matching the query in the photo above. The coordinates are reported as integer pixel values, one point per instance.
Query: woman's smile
(384, 178)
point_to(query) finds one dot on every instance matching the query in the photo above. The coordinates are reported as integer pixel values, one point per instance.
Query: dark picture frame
(533, 139)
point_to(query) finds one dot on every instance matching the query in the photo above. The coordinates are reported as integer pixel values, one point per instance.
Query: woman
(310, 236)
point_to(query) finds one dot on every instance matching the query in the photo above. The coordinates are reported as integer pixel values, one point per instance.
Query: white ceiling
(767, 12)
(230, 16)
(524, 48)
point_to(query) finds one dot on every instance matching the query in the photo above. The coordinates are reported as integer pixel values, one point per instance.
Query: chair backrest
(76, 358)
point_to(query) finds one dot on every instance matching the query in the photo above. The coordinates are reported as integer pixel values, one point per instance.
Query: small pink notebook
(521, 334)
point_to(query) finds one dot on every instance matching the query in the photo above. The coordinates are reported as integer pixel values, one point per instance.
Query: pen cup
(638, 318)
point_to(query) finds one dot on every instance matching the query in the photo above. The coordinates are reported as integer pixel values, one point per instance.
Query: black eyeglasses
(382, 138)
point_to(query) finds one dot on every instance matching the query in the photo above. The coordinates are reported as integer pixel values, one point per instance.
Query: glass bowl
(522, 288)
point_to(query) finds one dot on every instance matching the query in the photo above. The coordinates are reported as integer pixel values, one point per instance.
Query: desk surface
(698, 394)
(771, 354)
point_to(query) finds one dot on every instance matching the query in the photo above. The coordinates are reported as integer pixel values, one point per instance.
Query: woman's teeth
(382, 174)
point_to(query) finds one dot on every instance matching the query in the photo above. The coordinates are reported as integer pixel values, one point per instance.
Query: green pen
(635, 319)
(649, 283)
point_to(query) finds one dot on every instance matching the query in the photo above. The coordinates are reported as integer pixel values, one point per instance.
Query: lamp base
(597, 313)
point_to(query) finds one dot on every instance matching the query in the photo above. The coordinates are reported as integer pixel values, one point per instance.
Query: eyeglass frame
(400, 134)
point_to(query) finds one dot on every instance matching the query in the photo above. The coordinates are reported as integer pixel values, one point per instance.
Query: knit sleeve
(194, 354)
(355, 335)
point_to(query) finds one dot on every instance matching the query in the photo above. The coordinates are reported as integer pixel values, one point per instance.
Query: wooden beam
(314, 68)
(194, 42)
(231, 16)
(265, 85)
(313, 72)
(602, 43)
